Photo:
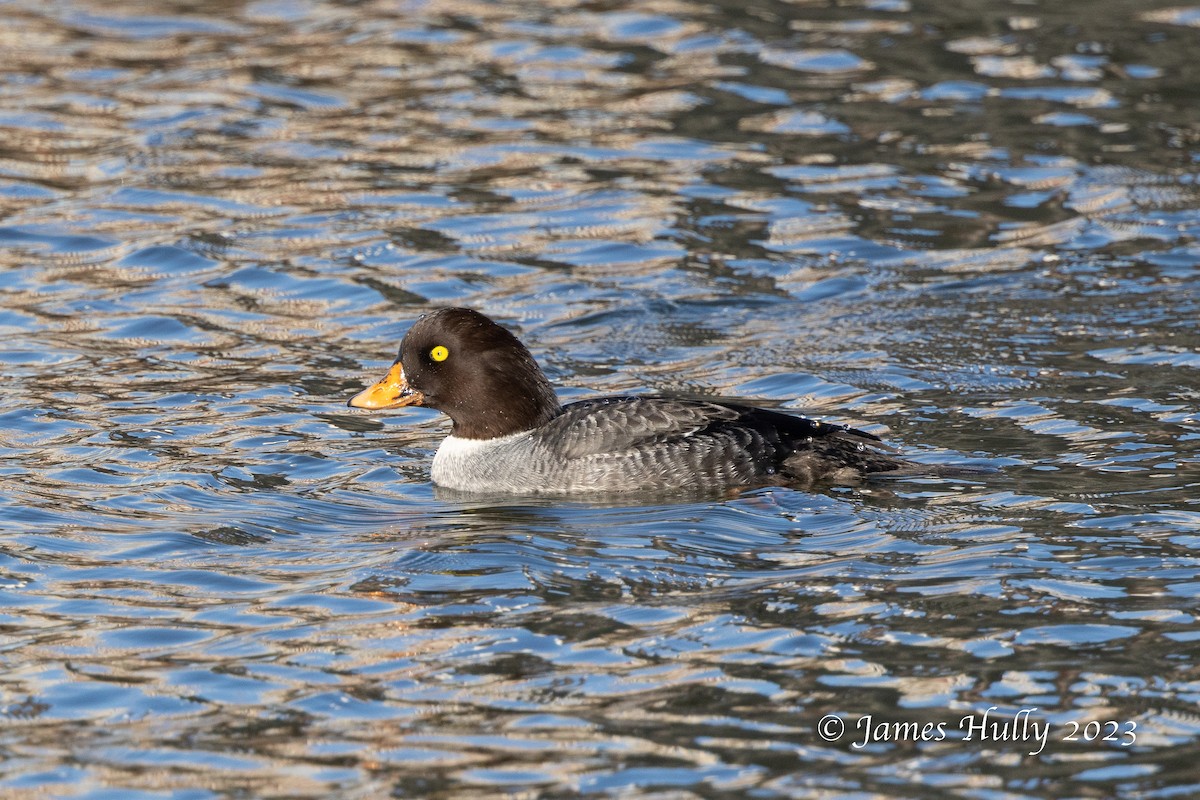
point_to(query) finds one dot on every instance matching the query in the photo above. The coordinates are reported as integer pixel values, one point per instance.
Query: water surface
(970, 230)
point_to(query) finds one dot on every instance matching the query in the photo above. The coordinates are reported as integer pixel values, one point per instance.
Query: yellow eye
(439, 353)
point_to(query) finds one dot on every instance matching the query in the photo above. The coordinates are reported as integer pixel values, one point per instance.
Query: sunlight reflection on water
(969, 231)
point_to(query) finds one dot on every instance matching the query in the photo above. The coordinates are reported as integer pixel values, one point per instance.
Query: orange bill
(391, 392)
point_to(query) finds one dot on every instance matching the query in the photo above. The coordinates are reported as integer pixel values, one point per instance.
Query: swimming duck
(509, 434)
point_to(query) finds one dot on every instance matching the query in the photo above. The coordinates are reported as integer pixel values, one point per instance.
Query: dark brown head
(466, 366)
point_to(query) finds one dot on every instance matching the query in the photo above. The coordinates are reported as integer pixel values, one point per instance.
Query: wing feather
(659, 441)
(617, 424)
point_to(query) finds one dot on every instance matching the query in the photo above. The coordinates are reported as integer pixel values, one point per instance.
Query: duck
(510, 435)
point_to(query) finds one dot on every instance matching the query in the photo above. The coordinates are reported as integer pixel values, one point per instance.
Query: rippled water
(970, 228)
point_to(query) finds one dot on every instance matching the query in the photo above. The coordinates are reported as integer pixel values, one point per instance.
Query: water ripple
(967, 230)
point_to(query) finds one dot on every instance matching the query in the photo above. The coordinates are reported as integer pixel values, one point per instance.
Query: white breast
(507, 463)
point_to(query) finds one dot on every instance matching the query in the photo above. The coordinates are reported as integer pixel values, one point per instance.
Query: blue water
(969, 230)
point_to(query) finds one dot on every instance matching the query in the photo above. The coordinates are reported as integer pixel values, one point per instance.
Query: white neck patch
(481, 464)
